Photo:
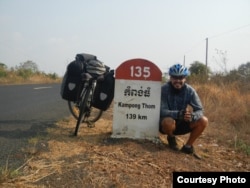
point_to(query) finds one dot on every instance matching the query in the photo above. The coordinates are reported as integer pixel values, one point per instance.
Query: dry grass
(228, 107)
(93, 159)
(12, 78)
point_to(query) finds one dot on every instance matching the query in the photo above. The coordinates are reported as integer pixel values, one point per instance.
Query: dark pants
(181, 127)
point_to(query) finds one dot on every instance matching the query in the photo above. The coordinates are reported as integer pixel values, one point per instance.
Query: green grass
(241, 145)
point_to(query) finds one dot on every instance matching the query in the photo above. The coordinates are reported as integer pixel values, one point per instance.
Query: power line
(226, 32)
(217, 35)
(214, 36)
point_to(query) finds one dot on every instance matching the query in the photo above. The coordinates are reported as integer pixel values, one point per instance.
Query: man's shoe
(187, 150)
(190, 150)
(172, 143)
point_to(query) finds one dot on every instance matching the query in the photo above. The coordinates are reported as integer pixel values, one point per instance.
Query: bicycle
(82, 109)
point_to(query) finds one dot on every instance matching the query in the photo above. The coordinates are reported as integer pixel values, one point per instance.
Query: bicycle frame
(85, 104)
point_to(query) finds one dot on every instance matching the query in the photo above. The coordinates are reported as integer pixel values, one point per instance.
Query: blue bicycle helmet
(178, 70)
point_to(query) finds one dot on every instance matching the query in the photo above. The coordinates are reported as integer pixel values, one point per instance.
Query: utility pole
(184, 61)
(206, 55)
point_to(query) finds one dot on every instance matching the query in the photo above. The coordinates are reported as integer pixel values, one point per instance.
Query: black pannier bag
(71, 83)
(104, 91)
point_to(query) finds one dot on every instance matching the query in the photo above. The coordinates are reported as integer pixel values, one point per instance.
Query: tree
(199, 72)
(27, 69)
(28, 66)
(198, 68)
(3, 70)
(3, 66)
(221, 60)
(244, 70)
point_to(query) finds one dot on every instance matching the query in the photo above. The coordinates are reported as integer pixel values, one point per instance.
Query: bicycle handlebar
(86, 76)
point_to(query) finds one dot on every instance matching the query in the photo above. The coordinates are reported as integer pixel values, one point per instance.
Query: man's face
(177, 81)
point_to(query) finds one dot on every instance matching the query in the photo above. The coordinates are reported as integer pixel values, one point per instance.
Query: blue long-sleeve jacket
(173, 101)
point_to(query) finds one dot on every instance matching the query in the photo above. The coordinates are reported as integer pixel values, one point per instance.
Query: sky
(51, 32)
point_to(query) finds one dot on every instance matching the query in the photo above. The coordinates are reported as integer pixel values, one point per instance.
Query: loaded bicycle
(88, 86)
(82, 109)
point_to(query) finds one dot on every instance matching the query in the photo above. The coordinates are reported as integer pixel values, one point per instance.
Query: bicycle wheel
(93, 115)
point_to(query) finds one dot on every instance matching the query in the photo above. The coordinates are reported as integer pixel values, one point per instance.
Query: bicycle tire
(94, 115)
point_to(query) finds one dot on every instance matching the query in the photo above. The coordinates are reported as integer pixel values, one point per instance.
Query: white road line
(43, 87)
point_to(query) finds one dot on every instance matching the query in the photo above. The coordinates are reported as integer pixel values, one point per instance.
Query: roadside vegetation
(226, 100)
(25, 73)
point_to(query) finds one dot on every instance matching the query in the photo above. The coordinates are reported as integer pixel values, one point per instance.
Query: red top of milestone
(138, 69)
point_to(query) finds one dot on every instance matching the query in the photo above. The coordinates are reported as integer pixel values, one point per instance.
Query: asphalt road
(26, 111)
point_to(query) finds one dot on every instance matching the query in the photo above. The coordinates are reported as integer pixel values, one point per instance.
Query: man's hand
(187, 115)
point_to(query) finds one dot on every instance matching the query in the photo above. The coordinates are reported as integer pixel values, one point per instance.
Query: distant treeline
(24, 72)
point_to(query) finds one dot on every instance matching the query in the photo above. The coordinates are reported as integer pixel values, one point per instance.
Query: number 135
(137, 71)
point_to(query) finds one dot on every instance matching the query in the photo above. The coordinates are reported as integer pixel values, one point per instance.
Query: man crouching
(175, 116)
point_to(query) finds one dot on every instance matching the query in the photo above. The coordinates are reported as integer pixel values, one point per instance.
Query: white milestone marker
(137, 100)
